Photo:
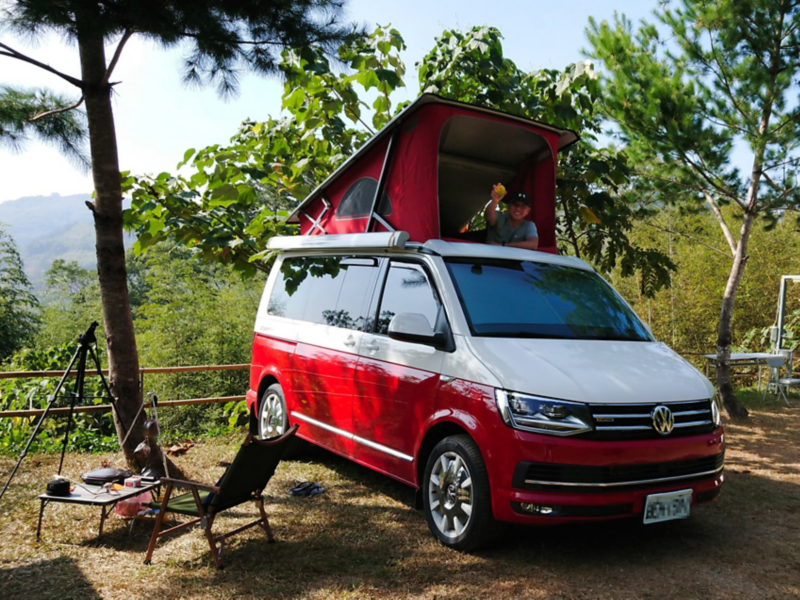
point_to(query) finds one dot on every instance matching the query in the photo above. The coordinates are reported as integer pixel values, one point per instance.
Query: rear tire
(273, 420)
(456, 496)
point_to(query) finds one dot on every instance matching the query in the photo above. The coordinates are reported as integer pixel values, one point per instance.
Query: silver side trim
(336, 430)
(624, 483)
(355, 438)
(382, 448)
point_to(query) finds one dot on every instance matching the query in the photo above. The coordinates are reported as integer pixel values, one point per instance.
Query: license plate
(667, 506)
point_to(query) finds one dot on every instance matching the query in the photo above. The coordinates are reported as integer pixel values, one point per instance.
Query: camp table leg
(103, 517)
(41, 513)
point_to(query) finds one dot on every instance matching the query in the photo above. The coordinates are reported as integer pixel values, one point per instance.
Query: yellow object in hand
(500, 189)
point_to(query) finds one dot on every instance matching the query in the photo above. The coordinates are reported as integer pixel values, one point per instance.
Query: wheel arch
(433, 436)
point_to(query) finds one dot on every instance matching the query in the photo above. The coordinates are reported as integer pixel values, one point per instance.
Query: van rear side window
(328, 290)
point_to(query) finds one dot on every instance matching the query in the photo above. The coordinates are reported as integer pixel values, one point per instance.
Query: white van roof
(466, 250)
(398, 241)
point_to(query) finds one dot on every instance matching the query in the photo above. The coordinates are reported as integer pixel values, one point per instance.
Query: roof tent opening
(475, 154)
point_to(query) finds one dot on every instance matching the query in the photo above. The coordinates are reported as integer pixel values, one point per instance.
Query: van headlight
(716, 412)
(543, 415)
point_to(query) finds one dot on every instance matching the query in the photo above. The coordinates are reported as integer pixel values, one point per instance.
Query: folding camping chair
(245, 479)
(780, 365)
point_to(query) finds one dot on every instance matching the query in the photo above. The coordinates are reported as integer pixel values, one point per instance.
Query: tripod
(86, 343)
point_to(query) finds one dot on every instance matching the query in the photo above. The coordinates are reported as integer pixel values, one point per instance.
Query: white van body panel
(592, 371)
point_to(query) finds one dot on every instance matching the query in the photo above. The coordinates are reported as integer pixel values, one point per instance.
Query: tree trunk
(123, 358)
(725, 331)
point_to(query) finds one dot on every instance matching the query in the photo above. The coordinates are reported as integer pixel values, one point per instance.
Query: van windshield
(513, 298)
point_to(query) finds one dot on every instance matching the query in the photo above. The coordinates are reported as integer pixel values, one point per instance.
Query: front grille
(554, 477)
(634, 421)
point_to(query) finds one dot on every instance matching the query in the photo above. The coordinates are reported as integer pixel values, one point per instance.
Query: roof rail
(384, 239)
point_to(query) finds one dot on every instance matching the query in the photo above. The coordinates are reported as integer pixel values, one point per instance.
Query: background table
(742, 359)
(93, 495)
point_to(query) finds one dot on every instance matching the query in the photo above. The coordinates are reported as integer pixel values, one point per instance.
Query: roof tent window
(357, 200)
(474, 154)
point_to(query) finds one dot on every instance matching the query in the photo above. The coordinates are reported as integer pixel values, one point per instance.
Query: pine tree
(19, 308)
(221, 39)
(710, 76)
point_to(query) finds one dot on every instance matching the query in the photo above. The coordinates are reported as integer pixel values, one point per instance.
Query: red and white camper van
(504, 384)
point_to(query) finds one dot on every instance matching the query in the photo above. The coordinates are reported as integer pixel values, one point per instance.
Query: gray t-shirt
(503, 232)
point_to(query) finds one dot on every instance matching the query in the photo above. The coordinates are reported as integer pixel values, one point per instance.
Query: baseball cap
(517, 197)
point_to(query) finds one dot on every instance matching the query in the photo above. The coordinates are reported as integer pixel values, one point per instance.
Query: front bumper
(601, 480)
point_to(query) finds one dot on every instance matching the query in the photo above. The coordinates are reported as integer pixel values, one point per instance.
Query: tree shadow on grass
(382, 549)
(56, 578)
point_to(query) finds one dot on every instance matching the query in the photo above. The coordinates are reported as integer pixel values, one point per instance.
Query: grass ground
(361, 539)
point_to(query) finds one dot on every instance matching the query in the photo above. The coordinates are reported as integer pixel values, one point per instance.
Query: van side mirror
(414, 327)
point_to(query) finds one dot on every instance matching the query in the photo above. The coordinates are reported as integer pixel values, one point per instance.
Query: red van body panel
(323, 390)
(407, 399)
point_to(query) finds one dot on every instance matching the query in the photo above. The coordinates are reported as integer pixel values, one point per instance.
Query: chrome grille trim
(623, 427)
(617, 422)
(692, 412)
(692, 424)
(624, 483)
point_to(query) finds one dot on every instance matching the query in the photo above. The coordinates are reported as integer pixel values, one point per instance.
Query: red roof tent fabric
(412, 178)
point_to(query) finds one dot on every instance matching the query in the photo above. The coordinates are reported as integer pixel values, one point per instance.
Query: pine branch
(55, 111)
(691, 237)
(114, 59)
(11, 53)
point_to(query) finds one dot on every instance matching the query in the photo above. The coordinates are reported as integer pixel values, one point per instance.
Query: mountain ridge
(46, 228)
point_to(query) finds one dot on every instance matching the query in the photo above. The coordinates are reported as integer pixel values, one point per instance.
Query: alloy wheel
(450, 495)
(272, 422)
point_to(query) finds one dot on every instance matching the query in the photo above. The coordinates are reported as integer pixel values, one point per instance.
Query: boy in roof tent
(510, 228)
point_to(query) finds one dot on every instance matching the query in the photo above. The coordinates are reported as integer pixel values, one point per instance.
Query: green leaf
(368, 78)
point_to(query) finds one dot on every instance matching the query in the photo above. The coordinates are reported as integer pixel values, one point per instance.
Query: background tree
(711, 75)
(221, 39)
(19, 308)
(238, 196)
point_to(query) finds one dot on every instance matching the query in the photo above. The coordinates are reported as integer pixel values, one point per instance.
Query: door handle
(350, 341)
(373, 346)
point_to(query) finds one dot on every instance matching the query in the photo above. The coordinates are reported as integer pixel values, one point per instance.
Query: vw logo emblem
(663, 421)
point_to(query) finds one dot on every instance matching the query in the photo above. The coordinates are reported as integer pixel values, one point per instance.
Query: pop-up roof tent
(434, 165)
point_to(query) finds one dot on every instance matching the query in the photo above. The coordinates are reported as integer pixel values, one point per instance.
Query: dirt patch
(361, 538)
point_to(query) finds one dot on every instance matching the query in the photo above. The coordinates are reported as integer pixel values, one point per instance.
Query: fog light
(536, 509)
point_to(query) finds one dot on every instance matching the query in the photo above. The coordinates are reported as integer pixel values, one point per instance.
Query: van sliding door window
(328, 290)
(407, 290)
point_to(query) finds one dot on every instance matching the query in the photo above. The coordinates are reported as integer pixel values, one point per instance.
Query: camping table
(743, 359)
(93, 495)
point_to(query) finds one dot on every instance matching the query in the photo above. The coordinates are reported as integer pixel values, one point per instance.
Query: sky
(158, 118)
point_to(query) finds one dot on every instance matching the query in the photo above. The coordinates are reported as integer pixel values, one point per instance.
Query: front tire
(456, 495)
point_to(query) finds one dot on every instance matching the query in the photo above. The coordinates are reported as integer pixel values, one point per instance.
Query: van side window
(330, 290)
(407, 289)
